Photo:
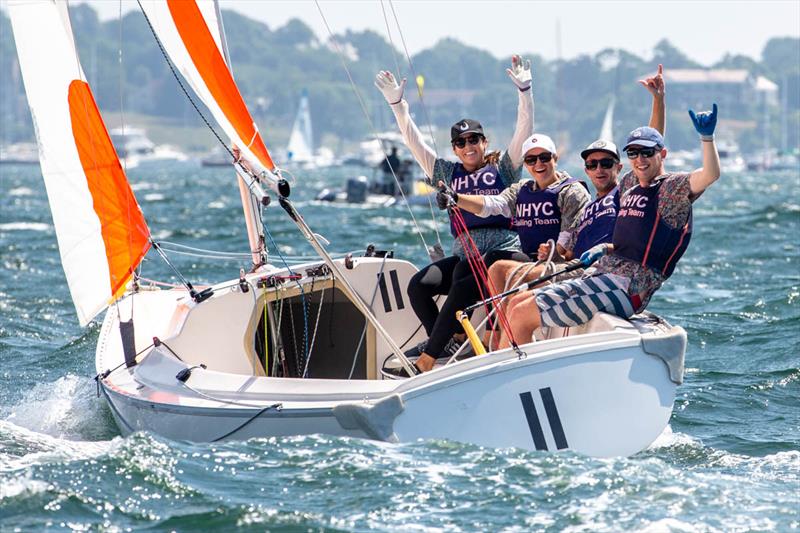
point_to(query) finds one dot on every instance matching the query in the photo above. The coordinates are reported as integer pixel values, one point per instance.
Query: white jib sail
(100, 229)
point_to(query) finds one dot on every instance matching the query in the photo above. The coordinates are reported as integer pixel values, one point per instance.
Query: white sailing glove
(386, 84)
(520, 72)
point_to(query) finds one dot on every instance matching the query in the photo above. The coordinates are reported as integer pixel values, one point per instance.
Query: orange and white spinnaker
(190, 33)
(102, 234)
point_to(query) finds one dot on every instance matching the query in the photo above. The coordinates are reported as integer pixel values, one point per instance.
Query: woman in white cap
(547, 207)
(477, 172)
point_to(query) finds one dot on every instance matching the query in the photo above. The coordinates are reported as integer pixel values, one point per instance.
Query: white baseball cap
(538, 140)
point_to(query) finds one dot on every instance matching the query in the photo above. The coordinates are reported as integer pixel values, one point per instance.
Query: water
(729, 461)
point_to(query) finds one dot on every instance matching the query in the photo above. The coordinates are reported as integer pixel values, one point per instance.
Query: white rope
(316, 327)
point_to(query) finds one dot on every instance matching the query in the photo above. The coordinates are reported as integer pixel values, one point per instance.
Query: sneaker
(398, 371)
(452, 347)
(416, 351)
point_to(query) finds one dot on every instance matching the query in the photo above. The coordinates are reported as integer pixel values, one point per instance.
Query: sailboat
(248, 357)
(607, 129)
(300, 151)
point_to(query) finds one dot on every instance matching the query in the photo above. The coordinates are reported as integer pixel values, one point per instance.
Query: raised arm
(393, 93)
(655, 85)
(705, 123)
(520, 74)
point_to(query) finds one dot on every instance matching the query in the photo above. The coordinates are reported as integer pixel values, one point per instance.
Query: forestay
(189, 32)
(102, 234)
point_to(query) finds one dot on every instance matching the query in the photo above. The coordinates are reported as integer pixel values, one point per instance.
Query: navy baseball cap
(466, 125)
(601, 146)
(645, 136)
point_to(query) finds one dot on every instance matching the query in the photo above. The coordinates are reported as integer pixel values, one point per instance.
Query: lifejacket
(642, 236)
(537, 217)
(484, 181)
(597, 222)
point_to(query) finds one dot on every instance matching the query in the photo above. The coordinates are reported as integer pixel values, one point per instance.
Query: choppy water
(730, 460)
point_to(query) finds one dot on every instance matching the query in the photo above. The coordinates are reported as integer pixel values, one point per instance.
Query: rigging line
(206, 256)
(424, 108)
(414, 74)
(369, 121)
(302, 296)
(391, 42)
(169, 264)
(215, 252)
(183, 88)
(316, 328)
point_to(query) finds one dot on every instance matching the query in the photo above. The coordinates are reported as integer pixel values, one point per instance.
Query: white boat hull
(599, 393)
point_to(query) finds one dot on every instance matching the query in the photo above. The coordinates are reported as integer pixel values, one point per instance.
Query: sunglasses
(644, 152)
(605, 163)
(473, 139)
(545, 157)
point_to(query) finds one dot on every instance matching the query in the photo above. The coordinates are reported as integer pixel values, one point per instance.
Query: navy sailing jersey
(484, 181)
(641, 235)
(537, 217)
(597, 222)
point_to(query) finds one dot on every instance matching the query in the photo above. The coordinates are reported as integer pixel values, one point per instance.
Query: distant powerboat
(683, 160)
(216, 157)
(134, 148)
(730, 158)
(384, 187)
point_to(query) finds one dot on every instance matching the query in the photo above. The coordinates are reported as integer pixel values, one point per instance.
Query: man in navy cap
(652, 231)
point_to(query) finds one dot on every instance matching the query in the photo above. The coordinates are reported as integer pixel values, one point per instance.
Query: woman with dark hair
(476, 172)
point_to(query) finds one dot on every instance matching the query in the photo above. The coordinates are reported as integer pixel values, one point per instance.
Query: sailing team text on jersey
(484, 181)
(642, 236)
(537, 217)
(597, 222)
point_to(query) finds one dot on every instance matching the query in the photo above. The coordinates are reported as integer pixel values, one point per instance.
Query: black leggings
(451, 276)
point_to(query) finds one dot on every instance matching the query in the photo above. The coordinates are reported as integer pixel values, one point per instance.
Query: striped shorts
(576, 301)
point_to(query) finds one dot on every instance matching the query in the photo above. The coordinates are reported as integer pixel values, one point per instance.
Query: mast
(255, 227)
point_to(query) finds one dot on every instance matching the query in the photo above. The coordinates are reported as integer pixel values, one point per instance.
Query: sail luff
(101, 232)
(184, 29)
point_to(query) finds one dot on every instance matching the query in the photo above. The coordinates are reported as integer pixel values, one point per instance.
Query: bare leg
(524, 318)
(514, 303)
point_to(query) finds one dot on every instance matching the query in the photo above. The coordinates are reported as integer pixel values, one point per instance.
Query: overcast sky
(704, 30)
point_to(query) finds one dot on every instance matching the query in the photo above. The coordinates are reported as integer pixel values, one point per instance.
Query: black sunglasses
(605, 163)
(473, 139)
(544, 157)
(644, 152)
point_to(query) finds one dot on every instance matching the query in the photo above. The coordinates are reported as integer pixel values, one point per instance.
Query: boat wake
(67, 409)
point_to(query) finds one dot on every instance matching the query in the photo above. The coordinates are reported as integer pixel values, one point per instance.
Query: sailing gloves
(520, 72)
(594, 253)
(705, 122)
(386, 84)
(446, 198)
